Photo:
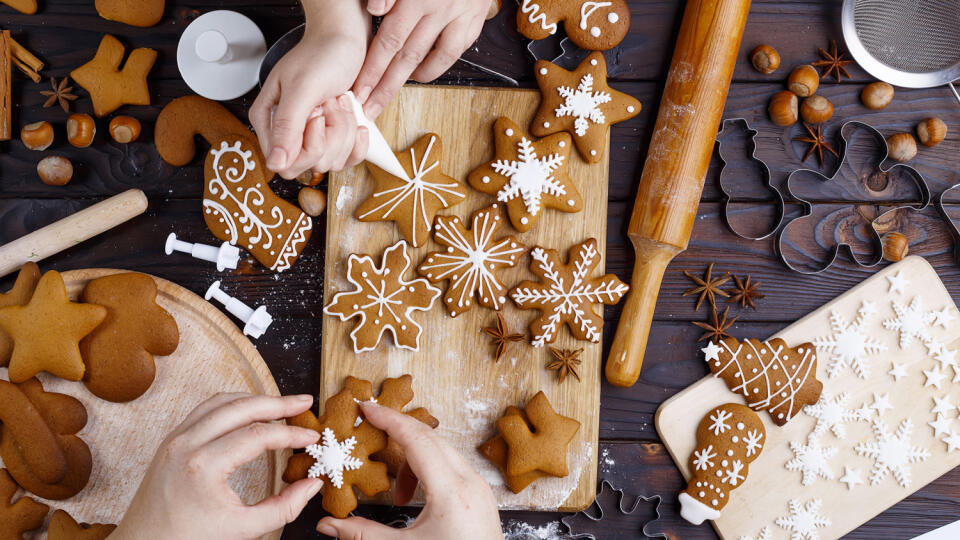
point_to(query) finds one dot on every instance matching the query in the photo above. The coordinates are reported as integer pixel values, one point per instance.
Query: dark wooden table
(66, 32)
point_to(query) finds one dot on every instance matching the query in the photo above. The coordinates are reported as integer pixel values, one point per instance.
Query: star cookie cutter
(726, 131)
(607, 493)
(892, 183)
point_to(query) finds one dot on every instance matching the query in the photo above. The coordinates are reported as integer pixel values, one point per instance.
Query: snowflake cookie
(804, 520)
(851, 344)
(811, 459)
(412, 202)
(567, 293)
(527, 175)
(582, 103)
(596, 26)
(471, 260)
(892, 453)
(383, 300)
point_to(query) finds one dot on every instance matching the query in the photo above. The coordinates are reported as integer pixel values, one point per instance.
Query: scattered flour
(343, 196)
(518, 530)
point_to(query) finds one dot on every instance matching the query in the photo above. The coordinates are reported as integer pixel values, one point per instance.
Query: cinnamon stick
(5, 90)
(26, 57)
(27, 70)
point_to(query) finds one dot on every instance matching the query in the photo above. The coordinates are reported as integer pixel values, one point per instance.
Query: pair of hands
(301, 123)
(185, 494)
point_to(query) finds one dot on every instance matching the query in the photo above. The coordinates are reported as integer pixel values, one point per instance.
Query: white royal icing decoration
(811, 459)
(804, 520)
(911, 321)
(711, 352)
(535, 16)
(831, 413)
(719, 419)
(892, 453)
(586, 10)
(333, 458)
(529, 177)
(850, 343)
(702, 458)
(582, 104)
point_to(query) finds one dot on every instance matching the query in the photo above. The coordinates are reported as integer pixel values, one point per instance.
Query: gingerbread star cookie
(528, 175)
(495, 450)
(17, 518)
(23, 6)
(412, 202)
(541, 444)
(63, 527)
(596, 26)
(108, 85)
(17, 296)
(581, 103)
(471, 260)
(47, 330)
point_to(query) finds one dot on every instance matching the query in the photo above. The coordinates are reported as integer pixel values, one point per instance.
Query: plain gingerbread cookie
(596, 26)
(111, 87)
(63, 527)
(496, 450)
(19, 517)
(539, 441)
(142, 13)
(19, 295)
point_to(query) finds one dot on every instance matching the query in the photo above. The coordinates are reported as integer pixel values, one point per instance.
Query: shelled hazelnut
(124, 129)
(816, 110)
(309, 178)
(804, 80)
(895, 246)
(876, 96)
(55, 170)
(37, 136)
(765, 59)
(783, 108)
(902, 147)
(931, 131)
(312, 201)
(81, 129)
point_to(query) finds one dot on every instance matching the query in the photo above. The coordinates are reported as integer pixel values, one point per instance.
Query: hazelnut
(80, 130)
(312, 201)
(124, 129)
(765, 59)
(55, 170)
(931, 131)
(37, 136)
(783, 108)
(816, 110)
(876, 96)
(804, 80)
(902, 147)
(309, 178)
(895, 246)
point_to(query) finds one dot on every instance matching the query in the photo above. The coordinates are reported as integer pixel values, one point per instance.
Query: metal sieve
(908, 43)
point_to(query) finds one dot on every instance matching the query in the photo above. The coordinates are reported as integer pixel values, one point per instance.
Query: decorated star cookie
(567, 293)
(16, 518)
(581, 103)
(23, 6)
(383, 300)
(412, 202)
(47, 330)
(17, 296)
(729, 438)
(496, 451)
(471, 260)
(63, 527)
(541, 444)
(108, 85)
(527, 175)
(596, 26)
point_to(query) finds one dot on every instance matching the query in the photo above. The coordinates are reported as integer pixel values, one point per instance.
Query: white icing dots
(613, 18)
(509, 132)
(543, 71)
(571, 202)
(485, 179)
(524, 220)
(562, 144)
(595, 31)
(631, 108)
(546, 124)
(593, 61)
(593, 152)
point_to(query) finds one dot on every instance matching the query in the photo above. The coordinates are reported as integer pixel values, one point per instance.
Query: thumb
(356, 528)
(278, 510)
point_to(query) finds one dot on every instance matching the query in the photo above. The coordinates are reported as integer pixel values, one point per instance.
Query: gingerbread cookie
(581, 103)
(46, 331)
(528, 176)
(17, 296)
(770, 375)
(496, 451)
(596, 26)
(63, 527)
(729, 438)
(142, 13)
(412, 202)
(16, 518)
(540, 444)
(238, 205)
(383, 300)
(108, 85)
(119, 352)
(471, 260)
(23, 6)
(567, 293)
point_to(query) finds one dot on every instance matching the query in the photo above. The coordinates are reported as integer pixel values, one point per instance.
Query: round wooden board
(213, 356)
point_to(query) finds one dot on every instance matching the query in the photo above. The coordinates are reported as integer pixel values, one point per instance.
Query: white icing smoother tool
(256, 321)
(379, 152)
(226, 256)
(219, 55)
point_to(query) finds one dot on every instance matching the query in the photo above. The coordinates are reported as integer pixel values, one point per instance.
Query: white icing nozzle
(226, 256)
(256, 320)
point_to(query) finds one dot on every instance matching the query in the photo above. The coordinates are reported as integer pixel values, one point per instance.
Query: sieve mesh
(914, 36)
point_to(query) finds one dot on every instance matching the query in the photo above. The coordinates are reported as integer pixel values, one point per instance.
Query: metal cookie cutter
(728, 200)
(951, 224)
(607, 491)
(894, 171)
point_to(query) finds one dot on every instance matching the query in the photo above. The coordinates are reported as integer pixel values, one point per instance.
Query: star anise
(745, 292)
(716, 330)
(61, 94)
(817, 143)
(708, 287)
(833, 61)
(500, 337)
(565, 361)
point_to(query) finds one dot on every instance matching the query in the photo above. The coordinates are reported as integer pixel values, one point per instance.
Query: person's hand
(418, 39)
(185, 494)
(459, 503)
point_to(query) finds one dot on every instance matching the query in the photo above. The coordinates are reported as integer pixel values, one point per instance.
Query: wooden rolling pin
(71, 230)
(677, 161)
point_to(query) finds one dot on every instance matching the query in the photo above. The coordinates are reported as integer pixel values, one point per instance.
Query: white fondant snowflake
(752, 442)
(701, 458)
(831, 413)
(333, 458)
(953, 441)
(811, 459)
(530, 177)
(732, 475)
(943, 318)
(850, 343)
(911, 321)
(804, 520)
(892, 453)
(764, 535)
(851, 477)
(719, 419)
(582, 104)
(898, 283)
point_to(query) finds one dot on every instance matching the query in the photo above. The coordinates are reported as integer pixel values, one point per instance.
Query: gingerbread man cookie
(596, 26)
(496, 451)
(540, 442)
(581, 103)
(17, 518)
(142, 13)
(64, 527)
(19, 295)
(238, 205)
(108, 85)
(528, 175)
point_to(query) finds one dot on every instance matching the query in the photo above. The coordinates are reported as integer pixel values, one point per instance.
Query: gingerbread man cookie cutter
(607, 490)
(728, 198)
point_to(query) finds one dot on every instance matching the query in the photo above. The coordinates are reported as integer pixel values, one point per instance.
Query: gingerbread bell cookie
(111, 87)
(141, 13)
(238, 205)
(19, 295)
(17, 518)
(729, 438)
(581, 103)
(528, 175)
(64, 527)
(596, 26)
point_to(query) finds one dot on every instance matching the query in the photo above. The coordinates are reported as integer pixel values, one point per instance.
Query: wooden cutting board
(213, 356)
(769, 487)
(454, 373)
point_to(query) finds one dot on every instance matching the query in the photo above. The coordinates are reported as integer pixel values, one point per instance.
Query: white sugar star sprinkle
(898, 370)
(881, 402)
(940, 425)
(711, 352)
(898, 283)
(934, 377)
(953, 441)
(851, 477)
(956, 374)
(947, 359)
(943, 317)
(942, 405)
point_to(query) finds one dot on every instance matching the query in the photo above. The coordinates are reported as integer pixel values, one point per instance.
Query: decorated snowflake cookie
(804, 520)
(912, 322)
(811, 459)
(831, 413)
(851, 343)
(892, 453)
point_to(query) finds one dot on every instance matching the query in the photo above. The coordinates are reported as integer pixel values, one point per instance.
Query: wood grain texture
(6, 89)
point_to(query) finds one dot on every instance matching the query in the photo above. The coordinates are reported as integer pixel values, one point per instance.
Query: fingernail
(304, 397)
(375, 7)
(344, 103)
(363, 93)
(277, 159)
(327, 529)
(369, 404)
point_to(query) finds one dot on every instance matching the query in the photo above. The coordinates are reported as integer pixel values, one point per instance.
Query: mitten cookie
(770, 375)
(729, 438)
(19, 295)
(496, 451)
(471, 260)
(108, 85)
(528, 176)
(63, 527)
(412, 202)
(567, 293)
(46, 331)
(596, 26)
(238, 205)
(541, 444)
(16, 518)
(581, 103)
(23, 6)
(142, 13)
(119, 352)
(383, 300)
